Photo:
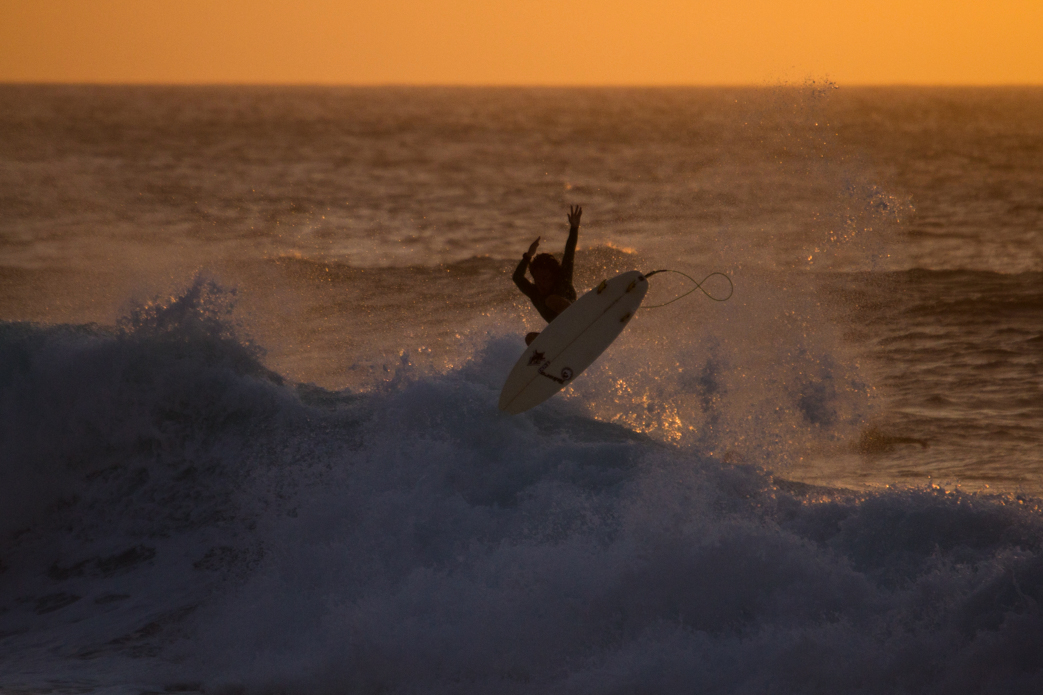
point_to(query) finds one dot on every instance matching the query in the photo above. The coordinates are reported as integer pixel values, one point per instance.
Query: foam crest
(172, 382)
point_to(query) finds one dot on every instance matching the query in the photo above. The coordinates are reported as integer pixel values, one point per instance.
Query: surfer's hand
(557, 302)
(574, 212)
(532, 248)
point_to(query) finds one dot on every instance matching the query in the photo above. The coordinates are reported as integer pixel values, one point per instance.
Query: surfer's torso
(562, 286)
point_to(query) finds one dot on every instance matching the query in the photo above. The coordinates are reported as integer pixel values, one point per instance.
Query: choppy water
(253, 341)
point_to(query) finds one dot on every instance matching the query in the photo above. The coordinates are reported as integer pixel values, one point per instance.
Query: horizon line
(522, 85)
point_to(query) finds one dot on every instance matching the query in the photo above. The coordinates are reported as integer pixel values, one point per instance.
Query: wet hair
(546, 261)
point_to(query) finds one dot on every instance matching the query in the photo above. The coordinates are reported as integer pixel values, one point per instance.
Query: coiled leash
(698, 286)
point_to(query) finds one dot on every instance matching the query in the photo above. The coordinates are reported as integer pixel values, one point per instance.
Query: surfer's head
(545, 271)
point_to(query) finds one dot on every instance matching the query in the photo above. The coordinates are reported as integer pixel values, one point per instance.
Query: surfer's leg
(529, 337)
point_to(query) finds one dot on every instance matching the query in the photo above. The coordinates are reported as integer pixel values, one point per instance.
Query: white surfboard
(572, 341)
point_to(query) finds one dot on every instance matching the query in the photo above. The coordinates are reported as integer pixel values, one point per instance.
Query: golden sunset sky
(540, 42)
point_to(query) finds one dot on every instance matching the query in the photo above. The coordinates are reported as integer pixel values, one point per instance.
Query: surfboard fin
(602, 286)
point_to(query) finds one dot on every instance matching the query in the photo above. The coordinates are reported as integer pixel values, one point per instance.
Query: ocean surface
(252, 341)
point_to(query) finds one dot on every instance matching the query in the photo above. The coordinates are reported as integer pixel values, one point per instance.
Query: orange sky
(522, 41)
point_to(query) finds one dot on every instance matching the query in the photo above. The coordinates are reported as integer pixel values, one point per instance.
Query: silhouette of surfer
(552, 292)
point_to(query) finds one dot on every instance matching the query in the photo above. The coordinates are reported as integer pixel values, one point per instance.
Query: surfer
(552, 291)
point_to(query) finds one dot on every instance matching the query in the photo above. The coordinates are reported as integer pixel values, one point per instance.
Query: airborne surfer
(552, 292)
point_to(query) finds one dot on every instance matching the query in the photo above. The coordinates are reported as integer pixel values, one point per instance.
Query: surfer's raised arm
(568, 259)
(519, 273)
(551, 291)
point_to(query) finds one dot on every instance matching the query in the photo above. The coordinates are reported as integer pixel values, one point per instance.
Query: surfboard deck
(572, 341)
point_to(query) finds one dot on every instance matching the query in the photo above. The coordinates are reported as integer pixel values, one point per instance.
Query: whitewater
(252, 343)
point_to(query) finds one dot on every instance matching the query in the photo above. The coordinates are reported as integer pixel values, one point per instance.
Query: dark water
(253, 340)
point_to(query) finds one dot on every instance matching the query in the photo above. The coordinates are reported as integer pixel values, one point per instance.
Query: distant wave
(601, 257)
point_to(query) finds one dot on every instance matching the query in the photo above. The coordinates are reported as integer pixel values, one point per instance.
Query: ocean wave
(77, 400)
(187, 519)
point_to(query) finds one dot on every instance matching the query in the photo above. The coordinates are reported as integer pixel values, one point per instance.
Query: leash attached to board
(572, 341)
(698, 286)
